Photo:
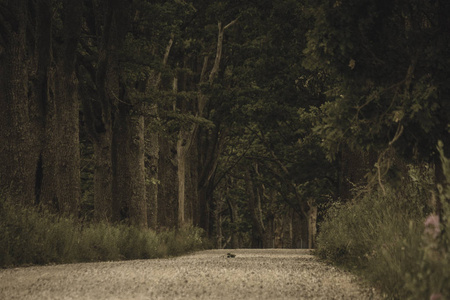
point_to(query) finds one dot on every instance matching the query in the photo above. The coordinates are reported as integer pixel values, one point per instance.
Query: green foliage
(182, 240)
(99, 242)
(135, 243)
(29, 236)
(385, 238)
(387, 85)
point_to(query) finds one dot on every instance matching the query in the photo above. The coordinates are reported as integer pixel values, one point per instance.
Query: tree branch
(215, 68)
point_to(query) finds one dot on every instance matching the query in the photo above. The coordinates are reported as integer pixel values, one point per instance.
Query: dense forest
(243, 119)
(248, 119)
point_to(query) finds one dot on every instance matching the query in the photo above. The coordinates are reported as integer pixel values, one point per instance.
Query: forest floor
(251, 274)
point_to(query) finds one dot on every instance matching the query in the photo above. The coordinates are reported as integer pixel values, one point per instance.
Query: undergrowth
(31, 236)
(394, 240)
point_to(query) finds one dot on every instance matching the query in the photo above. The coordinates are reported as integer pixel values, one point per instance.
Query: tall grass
(30, 236)
(384, 237)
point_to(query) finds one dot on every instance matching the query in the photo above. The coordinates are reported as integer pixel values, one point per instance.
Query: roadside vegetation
(395, 239)
(31, 236)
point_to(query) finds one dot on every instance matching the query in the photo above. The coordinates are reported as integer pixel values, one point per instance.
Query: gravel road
(252, 274)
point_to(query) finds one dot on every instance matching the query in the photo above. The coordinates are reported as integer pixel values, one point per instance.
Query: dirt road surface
(251, 274)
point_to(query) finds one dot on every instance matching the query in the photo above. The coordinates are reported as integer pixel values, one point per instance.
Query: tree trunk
(43, 80)
(167, 191)
(192, 185)
(234, 218)
(101, 131)
(19, 131)
(181, 175)
(129, 166)
(47, 108)
(312, 224)
(254, 205)
(103, 179)
(152, 144)
(152, 177)
(113, 17)
(300, 234)
(67, 112)
(68, 167)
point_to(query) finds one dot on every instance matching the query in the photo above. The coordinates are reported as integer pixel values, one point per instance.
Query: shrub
(32, 236)
(99, 242)
(182, 240)
(29, 236)
(137, 243)
(384, 237)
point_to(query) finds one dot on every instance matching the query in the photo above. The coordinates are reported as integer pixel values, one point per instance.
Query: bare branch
(215, 68)
(231, 23)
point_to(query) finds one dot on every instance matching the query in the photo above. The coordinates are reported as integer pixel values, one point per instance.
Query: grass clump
(29, 236)
(394, 240)
(182, 240)
(32, 236)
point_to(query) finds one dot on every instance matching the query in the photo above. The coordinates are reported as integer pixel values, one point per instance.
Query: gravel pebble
(252, 274)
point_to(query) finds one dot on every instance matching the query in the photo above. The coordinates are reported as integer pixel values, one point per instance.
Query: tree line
(245, 119)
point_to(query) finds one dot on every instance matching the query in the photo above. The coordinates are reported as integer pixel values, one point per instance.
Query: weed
(29, 235)
(393, 241)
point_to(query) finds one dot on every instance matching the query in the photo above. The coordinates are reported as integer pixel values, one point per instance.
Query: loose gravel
(251, 274)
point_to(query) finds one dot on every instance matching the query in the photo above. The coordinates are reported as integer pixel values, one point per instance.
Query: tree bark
(103, 179)
(44, 82)
(152, 177)
(20, 119)
(168, 189)
(254, 205)
(181, 172)
(129, 166)
(43, 100)
(234, 220)
(312, 224)
(152, 143)
(67, 112)
(113, 16)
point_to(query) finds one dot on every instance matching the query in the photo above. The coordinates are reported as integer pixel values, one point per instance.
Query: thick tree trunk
(58, 183)
(210, 144)
(68, 167)
(103, 179)
(113, 17)
(67, 112)
(129, 170)
(49, 157)
(184, 175)
(186, 138)
(46, 178)
(101, 130)
(47, 109)
(19, 131)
